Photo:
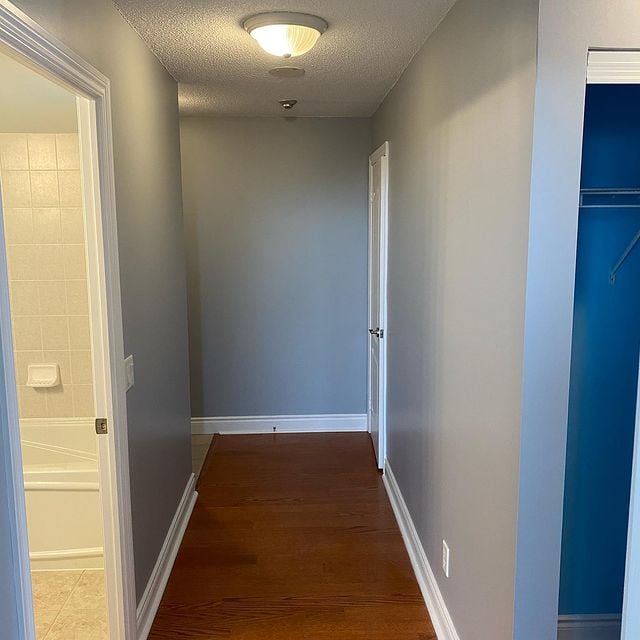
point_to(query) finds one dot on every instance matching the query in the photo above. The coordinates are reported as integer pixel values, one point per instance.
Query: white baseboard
(150, 601)
(280, 424)
(440, 618)
(589, 627)
(67, 559)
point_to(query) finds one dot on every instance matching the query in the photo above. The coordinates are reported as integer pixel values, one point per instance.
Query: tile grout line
(81, 572)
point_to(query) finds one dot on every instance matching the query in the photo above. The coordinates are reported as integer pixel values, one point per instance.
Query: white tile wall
(44, 230)
(42, 151)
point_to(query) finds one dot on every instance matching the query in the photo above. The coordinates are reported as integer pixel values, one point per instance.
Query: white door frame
(40, 50)
(623, 67)
(382, 154)
(631, 602)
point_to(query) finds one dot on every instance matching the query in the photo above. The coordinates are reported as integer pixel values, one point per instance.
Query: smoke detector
(288, 104)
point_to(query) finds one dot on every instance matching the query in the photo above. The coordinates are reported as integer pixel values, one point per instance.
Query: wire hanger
(621, 260)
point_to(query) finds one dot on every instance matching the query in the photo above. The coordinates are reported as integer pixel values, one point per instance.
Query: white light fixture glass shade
(286, 35)
(285, 40)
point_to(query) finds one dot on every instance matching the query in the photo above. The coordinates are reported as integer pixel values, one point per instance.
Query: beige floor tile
(89, 593)
(201, 440)
(51, 589)
(199, 448)
(83, 624)
(44, 620)
(199, 453)
(196, 466)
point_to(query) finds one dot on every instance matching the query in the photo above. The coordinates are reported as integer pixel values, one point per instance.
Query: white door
(631, 607)
(376, 406)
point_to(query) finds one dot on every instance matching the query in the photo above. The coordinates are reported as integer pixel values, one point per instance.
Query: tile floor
(70, 605)
(199, 447)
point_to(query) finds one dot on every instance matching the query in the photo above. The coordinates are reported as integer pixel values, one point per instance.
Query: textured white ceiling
(222, 70)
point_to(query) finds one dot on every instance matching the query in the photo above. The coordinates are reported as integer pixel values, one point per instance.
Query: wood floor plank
(292, 537)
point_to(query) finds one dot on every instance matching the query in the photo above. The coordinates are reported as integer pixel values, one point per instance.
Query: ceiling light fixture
(285, 34)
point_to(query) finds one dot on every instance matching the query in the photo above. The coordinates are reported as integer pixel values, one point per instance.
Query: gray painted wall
(276, 225)
(459, 123)
(150, 230)
(567, 30)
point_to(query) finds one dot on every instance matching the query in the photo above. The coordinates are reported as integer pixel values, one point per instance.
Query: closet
(604, 366)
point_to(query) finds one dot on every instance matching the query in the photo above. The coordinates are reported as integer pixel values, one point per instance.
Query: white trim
(613, 67)
(380, 154)
(382, 150)
(440, 618)
(630, 612)
(41, 50)
(39, 485)
(285, 17)
(87, 552)
(103, 273)
(150, 601)
(347, 422)
(56, 422)
(68, 559)
(589, 627)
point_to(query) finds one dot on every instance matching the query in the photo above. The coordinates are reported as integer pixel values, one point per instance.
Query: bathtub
(60, 467)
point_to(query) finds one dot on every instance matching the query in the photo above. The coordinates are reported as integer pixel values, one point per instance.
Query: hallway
(292, 537)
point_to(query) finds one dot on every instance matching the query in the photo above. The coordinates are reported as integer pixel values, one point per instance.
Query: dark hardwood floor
(292, 537)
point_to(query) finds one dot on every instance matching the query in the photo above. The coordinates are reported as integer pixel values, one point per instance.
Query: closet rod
(623, 257)
(612, 190)
(609, 198)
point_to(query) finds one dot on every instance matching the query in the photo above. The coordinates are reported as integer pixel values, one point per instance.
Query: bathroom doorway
(44, 233)
(60, 329)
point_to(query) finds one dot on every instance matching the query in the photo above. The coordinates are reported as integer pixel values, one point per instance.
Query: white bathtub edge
(150, 601)
(63, 517)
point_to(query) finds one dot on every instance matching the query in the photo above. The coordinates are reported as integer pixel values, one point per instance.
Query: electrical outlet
(445, 558)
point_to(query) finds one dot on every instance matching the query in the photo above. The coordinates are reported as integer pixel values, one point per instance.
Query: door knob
(379, 333)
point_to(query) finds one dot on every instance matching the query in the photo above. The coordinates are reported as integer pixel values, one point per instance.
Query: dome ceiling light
(285, 34)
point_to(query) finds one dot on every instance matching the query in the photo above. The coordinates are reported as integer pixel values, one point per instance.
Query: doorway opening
(604, 371)
(63, 411)
(44, 233)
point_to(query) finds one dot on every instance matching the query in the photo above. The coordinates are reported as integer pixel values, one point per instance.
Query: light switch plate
(129, 372)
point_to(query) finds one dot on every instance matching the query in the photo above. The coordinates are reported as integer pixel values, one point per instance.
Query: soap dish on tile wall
(43, 375)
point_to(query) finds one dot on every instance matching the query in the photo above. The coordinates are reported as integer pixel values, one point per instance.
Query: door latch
(101, 426)
(379, 333)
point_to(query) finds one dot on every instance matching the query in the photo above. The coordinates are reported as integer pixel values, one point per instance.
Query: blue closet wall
(604, 367)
